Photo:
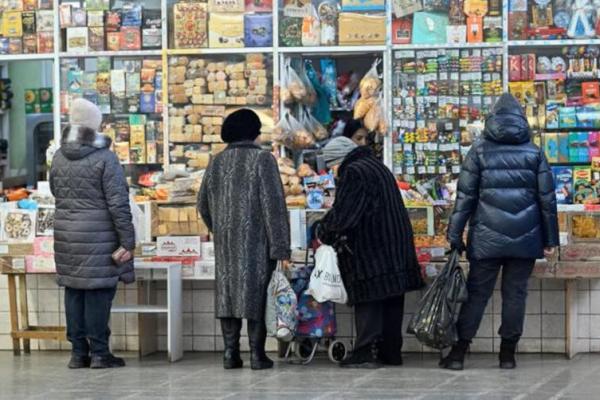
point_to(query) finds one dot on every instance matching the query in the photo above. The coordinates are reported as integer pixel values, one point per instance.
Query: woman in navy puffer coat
(506, 194)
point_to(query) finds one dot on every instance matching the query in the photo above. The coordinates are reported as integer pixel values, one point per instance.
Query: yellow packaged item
(226, 30)
(372, 29)
(12, 24)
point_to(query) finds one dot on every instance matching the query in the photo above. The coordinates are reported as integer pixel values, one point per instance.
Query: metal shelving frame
(279, 53)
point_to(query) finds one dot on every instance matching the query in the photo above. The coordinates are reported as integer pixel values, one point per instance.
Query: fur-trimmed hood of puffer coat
(93, 216)
(505, 191)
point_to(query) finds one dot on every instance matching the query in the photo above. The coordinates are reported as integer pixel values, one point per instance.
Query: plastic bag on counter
(434, 322)
(292, 134)
(313, 126)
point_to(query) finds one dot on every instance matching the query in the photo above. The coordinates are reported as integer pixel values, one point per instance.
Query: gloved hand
(458, 246)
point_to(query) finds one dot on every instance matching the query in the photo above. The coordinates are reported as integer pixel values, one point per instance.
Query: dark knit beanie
(242, 125)
(351, 127)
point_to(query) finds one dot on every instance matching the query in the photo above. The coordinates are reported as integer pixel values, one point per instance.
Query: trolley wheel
(304, 349)
(337, 351)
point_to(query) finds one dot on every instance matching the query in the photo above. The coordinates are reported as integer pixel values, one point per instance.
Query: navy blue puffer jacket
(505, 191)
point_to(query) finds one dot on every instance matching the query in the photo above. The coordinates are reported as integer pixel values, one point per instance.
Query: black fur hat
(242, 125)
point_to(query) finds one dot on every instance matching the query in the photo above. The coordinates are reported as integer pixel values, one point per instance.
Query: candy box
(372, 32)
(226, 6)
(226, 30)
(96, 38)
(563, 147)
(428, 27)
(28, 21)
(15, 46)
(456, 33)
(77, 40)
(551, 147)
(12, 25)
(43, 246)
(190, 25)
(363, 5)
(402, 30)
(40, 265)
(258, 30)
(45, 21)
(567, 117)
(18, 226)
(131, 38)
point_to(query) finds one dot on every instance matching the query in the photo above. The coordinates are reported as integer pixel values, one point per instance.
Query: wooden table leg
(571, 315)
(14, 316)
(24, 311)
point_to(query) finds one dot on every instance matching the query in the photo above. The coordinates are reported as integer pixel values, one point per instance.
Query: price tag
(431, 169)
(421, 170)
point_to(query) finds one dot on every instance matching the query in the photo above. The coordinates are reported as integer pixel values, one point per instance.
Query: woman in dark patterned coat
(242, 203)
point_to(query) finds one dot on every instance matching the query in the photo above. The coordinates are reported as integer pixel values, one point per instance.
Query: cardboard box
(40, 265)
(208, 251)
(178, 246)
(43, 247)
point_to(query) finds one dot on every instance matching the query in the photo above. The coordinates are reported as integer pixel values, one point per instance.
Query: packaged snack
(290, 31)
(113, 41)
(151, 38)
(96, 39)
(19, 226)
(28, 20)
(45, 42)
(403, 8)
(15, 46)
(190, 25)
(563, 181)
(372, 32)
(29, 44)
(30, 5)
(429, 28)
(551, 147)
(45, 21)
(226, 6)
(226, 30)
(12, 24)
(311, 29)
(258, 30)
(95, 19)
(131, 38)
(77, 40)
(328, 16)
(436, 5)
(113, 21)
(259, 5)
(79, 17)
(131, 14)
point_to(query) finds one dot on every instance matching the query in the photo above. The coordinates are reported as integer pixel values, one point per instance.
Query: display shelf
(332, 49)
(551, 43)
(208, 51)
(123, 53)
(26, 57)
(482, 45)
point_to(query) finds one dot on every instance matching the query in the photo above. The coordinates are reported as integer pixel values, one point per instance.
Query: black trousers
(381, 322)
(88, 313)
(483, 275)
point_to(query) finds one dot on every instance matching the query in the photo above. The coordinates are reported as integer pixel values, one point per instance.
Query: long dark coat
(93, 217)
(242, 202)
(379, 261)
(505, 191)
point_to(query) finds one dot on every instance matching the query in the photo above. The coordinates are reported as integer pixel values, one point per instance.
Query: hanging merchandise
(281, 309)
(329, 77)
(295, 89)
(370, 85)
(313, 126)
(311, 95)
(434, 322)
(292, 134)
(320, 109)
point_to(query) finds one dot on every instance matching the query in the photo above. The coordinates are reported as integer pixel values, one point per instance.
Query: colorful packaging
(551, 147)
(151, 38)
(363, 5)
(474, 29)
(28, 20)
(573, 147)
(563, 182)
(12, 24)
(45, 21)
(46, 100)
(131, 14)
(95, 18)
(226, 6)
(258, 30)
(583, 148)
(567, 117)
(582, 185)
(190, 25)
(429, 28)
(15, 46)
(30, 44)
(518, 22)
(131, 38)
(226, 30)
(45, 42)
(96, 38)
(147, 102)
(514, 68)
(372, 32)
(259, 6)
(77, 40)
(563, 147)
(32, 101)
(113, 41)
(290, 31)
(402, 30)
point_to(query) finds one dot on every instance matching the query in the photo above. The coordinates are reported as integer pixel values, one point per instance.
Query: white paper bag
(326, 281)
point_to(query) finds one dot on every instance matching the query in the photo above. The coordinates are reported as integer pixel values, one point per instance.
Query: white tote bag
(326, 281)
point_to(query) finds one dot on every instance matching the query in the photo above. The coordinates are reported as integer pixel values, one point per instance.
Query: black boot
(78, 362)
(257, 335)
(108, 361)
(507, 354)
(455, 360)
(231, 328)
(366, 358)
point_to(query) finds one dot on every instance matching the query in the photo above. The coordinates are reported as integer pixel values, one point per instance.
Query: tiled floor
(200, 376)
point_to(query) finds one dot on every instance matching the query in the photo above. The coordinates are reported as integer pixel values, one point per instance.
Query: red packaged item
(113, 21)
(402, 30)
(530, 66)
(45, 42)
(259, 5)
(131, 38)
(514, 68)
(524, 68)
(590, 92)
(518, 24)
(113, 41)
